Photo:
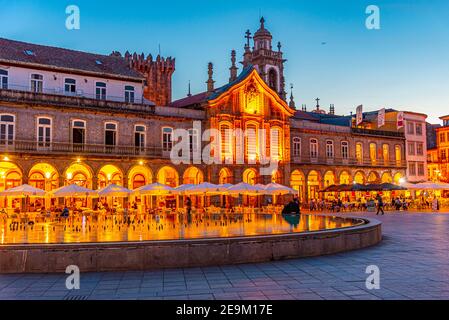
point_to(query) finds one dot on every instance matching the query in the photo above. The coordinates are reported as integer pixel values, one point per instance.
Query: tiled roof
(242, 76)
(189, 101)
(59, 58)
(301, 115)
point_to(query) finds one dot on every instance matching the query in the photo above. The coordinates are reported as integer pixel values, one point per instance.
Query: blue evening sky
(403, 65)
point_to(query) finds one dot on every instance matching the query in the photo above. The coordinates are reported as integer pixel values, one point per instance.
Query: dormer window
(29, 52)
(98, 62)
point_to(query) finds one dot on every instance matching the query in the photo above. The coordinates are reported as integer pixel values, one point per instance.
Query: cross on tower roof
(248, 37)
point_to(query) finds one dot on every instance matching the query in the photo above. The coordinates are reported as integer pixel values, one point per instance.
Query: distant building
(415, 132)
(438, 156)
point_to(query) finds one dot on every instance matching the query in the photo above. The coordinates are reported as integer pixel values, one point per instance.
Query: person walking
(380, 205)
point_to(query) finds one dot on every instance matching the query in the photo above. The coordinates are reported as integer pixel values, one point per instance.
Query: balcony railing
(61, 148)
(61, 98)
(384, 133)
(78, 93)
(349, 162)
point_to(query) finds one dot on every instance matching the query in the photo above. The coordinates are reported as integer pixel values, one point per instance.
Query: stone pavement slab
(412, 260)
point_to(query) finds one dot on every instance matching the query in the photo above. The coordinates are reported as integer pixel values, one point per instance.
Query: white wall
(20, 79)
(416, 118)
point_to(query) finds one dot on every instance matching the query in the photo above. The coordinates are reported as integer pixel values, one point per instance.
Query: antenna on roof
(189, 94)
(159, 49)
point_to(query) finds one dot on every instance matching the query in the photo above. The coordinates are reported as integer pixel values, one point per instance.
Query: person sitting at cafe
(398, 204)
(65, 212)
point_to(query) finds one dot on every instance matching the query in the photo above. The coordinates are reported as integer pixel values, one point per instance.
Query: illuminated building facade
(438, 157)
(74, 117)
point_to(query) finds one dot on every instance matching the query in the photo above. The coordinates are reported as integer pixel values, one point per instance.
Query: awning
(246, 189)
(72, 190)
(114, 190)
(23, 191)
(154, 189)
(278, 189)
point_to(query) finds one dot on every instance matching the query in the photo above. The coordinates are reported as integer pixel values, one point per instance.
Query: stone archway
(297, 182)
(386, 178)
(169, 176)
(192, 175)
(43, 176)
(138, 176)
(80, 174)
(373, 177)
(359, 177)
(345, 177)
(313, 185)
(109, 174)
(329, 179)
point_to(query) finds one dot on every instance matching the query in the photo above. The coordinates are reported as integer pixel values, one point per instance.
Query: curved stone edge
(98, 257)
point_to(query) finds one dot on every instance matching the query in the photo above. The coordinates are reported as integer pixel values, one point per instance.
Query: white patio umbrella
(154, 189)
(182, 188)
(203, 188)
(278, 189)
(246, 189)
(410, 186)
(223, 188)
(23, 191)
(72, 190)
(432, 186)
(114, 190)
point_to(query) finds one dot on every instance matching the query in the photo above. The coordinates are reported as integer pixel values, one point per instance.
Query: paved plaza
(413, 260)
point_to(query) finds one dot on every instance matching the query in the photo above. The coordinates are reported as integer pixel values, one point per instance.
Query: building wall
(53, 82)
(414, 140)
(26, 125)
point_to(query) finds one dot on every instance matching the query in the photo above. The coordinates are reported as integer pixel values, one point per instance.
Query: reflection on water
(165, 227)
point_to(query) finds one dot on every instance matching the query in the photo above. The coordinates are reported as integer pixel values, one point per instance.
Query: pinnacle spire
(210, 81)
(292, 99)
(233, 69)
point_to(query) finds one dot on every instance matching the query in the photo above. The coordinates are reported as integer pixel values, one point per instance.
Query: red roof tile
(188, 101)
(304, 116)
(59, 58)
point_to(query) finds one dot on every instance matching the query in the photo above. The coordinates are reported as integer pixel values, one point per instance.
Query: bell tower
(268, 62)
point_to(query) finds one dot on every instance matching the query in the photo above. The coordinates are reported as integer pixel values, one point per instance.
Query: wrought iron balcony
(61, 148)
(393, 134)
(22, 94)
(349, 162)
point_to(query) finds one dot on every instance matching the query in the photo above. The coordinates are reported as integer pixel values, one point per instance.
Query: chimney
(304, 107)
(210, 81)
(233, 69)
(332, 109)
